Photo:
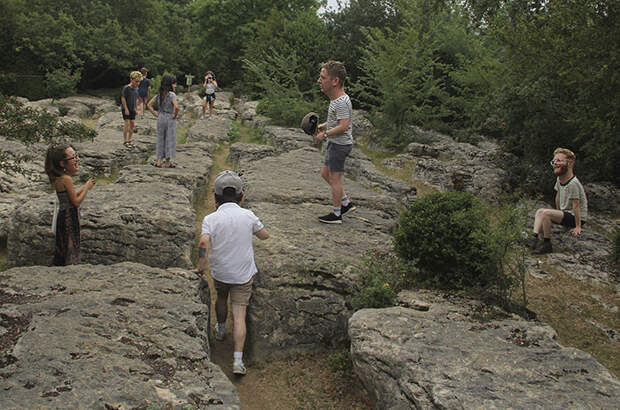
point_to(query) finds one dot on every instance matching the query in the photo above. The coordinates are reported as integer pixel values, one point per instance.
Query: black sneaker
(347, 208)
(543, 248)
(532, 242)
(331, 218)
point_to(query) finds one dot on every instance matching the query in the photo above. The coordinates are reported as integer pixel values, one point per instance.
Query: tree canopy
(534, 74)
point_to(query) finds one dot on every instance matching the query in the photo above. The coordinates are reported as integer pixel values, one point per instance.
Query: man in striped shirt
(338, 132)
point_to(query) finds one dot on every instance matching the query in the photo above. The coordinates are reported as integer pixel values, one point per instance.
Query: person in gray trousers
(167, 111)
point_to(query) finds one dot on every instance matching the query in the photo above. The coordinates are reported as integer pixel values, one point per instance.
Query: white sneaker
(239, 368)
(220, 332)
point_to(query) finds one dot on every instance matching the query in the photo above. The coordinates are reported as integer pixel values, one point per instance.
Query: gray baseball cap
(227, 179)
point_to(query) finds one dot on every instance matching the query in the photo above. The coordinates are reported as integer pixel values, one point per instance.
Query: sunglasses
(76, 156)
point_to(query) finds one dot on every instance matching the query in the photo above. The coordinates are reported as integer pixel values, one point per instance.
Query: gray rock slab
(307, 276)
(603, 197)
(107, 153)
(294, 178)
(443, 358)
(249, 152)
(120, 336)
(150, 223)
(30, 159)
(259, 122)
(9, 202)
(362, 127)
(585, 257)
(362, 169)
(214, 130)
(193, 164)
(481, 180)
(247, 110)
(286, 139)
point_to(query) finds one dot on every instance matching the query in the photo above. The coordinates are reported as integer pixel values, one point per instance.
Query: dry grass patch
(403, 173)
(304, 381)
(568, 305)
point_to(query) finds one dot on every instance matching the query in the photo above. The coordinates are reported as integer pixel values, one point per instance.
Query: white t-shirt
(232, 255)
(569, 191)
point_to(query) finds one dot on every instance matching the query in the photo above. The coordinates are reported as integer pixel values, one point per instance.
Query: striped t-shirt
(339, 109)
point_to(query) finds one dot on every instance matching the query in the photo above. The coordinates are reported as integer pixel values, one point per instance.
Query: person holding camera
(210, 84)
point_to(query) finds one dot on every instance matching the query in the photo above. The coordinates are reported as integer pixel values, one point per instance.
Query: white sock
(336, 211)
(345, 201)
(238, 357)
(221, 326)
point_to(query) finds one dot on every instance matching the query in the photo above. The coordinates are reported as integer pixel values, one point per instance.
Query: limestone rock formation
(445, 357)
(119, 336)
(150, 223)
(307, 270)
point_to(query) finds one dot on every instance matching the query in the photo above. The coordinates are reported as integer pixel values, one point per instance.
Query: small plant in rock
(63, 111)
(340, 362)
(383, 275)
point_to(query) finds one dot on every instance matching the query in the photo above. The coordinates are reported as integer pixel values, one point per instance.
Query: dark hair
(55, 154)
(228, 195)
(164, 88)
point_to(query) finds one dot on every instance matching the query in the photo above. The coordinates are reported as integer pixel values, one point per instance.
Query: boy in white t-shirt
(226, 240)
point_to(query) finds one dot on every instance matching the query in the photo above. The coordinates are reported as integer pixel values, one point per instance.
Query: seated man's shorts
(335, 155)
(210, 97)
(568, 220)
(131, 116)
(239, 294)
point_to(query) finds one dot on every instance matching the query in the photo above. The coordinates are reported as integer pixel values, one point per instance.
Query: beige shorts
(239, 294)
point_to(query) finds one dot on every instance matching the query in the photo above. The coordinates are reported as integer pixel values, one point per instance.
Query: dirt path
(298, 382)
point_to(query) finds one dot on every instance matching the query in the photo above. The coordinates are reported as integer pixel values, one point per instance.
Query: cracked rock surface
(447, 358)
(117, 336)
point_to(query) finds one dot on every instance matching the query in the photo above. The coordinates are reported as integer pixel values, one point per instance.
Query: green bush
(447, 235)
(30, 126)
(383, 275)
(458, 244)
(283, 101)
(61, 82)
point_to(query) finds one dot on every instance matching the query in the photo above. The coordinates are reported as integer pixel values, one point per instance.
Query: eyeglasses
(76, 156)
(558, 161)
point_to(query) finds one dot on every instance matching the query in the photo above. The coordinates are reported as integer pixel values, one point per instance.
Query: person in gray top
(570, 202)
(167, 111)
(338, 132)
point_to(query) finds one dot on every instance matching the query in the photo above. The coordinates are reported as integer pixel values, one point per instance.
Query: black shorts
(568, 220)
(210, 97)
(131, 116)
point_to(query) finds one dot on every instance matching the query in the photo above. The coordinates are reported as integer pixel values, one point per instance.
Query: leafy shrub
(446, 234)
(457, 245)
(383, 276)
(283, 101)
(29, 126)
(61, 82)
(63, 111)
